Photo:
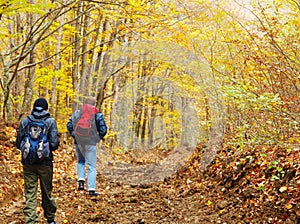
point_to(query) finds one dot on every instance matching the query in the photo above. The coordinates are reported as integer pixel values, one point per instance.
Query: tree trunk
(57, 67)
(75, 73)
(30, 76)
(19, 88)
(85, 72)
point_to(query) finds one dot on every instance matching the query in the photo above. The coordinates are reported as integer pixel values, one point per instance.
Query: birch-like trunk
(30, 75)
(57, 67)
(85, 71)
(75, 73)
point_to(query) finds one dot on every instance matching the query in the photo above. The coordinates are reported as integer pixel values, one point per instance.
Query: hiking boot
(93, 193)
(81, 185)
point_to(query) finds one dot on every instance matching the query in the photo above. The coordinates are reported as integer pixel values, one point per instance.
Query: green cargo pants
(33, 173)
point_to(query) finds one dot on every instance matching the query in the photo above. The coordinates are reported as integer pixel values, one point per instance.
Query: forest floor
(257, 185)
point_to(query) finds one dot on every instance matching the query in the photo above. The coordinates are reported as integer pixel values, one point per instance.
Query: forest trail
(230, 190)
(161, 202)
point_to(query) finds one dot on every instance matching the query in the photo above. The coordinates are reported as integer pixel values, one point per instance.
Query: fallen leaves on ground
(254, 185)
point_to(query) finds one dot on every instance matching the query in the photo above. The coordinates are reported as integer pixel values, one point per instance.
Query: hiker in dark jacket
(41, 170)
(86, 149)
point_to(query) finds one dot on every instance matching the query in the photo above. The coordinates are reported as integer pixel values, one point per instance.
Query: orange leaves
(64, 170)
(11, 168)
(4, 190)
(255, 179)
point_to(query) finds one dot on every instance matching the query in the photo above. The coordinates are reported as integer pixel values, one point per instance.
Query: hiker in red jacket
(87, 127)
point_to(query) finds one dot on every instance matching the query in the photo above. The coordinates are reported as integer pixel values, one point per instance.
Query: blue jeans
(86, 155)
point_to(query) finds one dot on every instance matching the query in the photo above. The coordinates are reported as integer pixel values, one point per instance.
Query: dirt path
(223, 193)
(117, 203)
(157, 203)
(183, 198)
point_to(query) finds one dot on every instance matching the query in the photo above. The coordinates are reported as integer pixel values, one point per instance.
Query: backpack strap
(76, 117)
(26, 126)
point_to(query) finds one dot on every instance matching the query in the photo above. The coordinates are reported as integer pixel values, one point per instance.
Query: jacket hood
(39, 113)
(87, 108)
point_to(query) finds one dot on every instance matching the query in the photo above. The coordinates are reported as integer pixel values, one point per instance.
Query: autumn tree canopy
(236, 66)
(219, 79)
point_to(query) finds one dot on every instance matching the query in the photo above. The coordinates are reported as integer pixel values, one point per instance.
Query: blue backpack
(35, 145)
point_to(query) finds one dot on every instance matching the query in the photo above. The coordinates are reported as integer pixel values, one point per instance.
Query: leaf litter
(257, 185)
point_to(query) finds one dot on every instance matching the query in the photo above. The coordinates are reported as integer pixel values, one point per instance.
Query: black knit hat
(41, 102)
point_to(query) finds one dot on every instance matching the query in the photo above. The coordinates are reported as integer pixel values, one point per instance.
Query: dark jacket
(97, 134)
(52, 134)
